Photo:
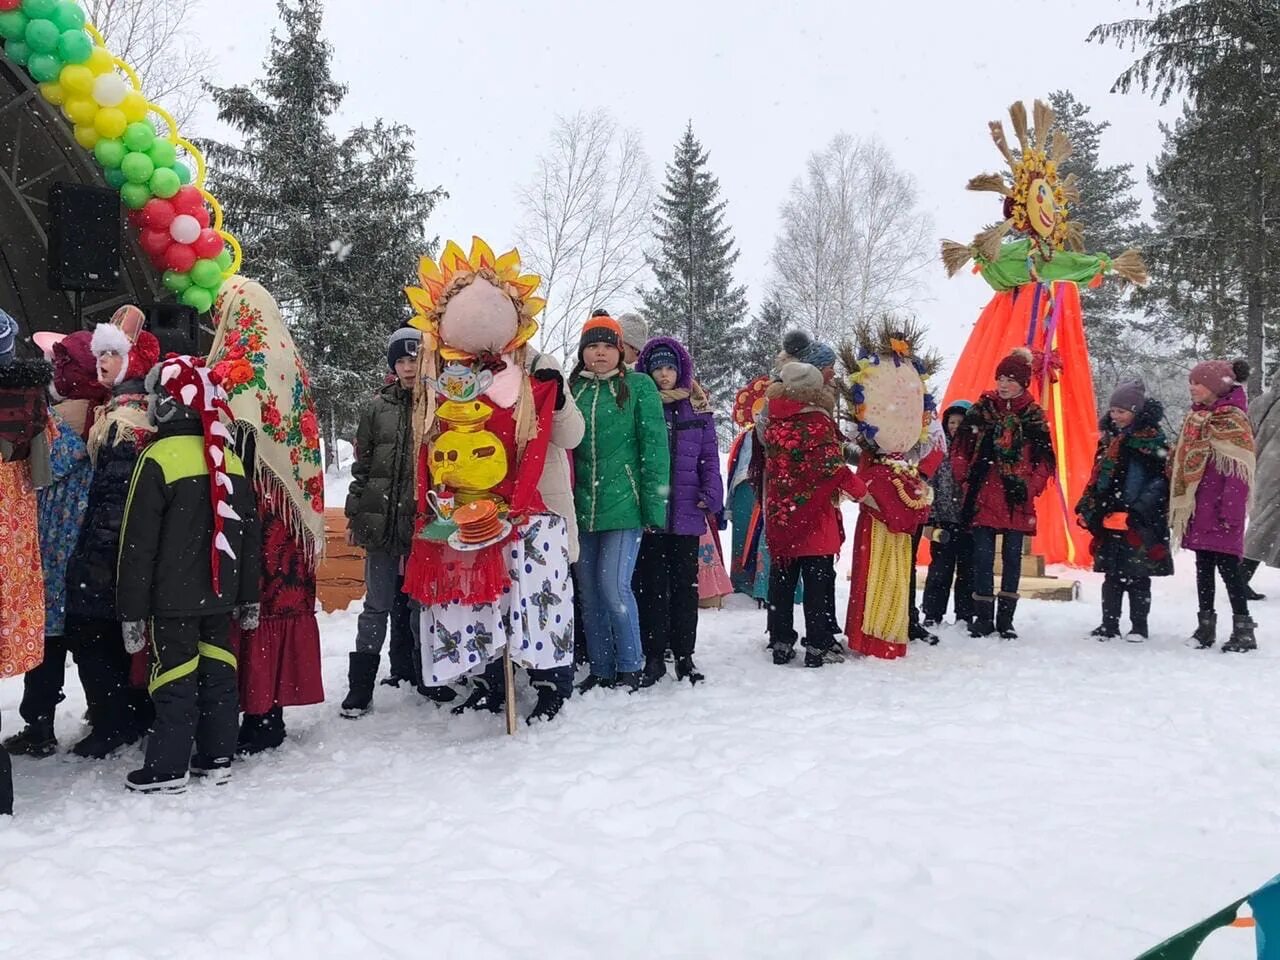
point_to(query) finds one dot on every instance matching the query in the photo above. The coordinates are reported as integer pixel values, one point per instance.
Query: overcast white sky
(764, 83)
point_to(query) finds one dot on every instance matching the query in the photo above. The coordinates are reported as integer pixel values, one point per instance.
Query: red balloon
(8, 5)
(180, 258)
(160, 259)
(208, 245)
(158, 214)
(188, 200)
(134, 216)
(155, 242)
(202, 217)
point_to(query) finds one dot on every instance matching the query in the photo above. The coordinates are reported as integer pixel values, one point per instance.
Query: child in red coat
(1002, 458)
(805, 476)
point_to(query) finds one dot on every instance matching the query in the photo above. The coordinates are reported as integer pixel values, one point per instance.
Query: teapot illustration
(460, 382)
(467, 458)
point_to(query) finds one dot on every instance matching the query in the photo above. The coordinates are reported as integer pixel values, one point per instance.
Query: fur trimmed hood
(684, 379)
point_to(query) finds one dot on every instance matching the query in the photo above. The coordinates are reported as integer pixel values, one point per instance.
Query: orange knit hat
(600, 329)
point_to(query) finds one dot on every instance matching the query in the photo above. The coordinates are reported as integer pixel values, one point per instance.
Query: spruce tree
(695, 298)
(764, 337)
(1226, 58)
(1108, 212)
(331, 226)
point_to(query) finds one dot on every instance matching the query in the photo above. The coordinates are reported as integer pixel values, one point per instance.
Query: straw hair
(1002, 144)
(1043, 123)
(1130, 266)
(987, 243)
(989, 183)
(955, 256)
(1071, 189)
(1061, 150)
(1018, 116)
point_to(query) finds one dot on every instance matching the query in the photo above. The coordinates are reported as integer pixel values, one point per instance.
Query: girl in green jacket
(622, 473)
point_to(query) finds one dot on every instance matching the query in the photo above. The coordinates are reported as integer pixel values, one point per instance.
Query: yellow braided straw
(884, 615)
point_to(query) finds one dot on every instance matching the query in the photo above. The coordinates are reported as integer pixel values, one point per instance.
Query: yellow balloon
(76, 79)
(87, 137)
(135, 107)
(100, 61)
(54, 93)
(110, 122)
(80, 110)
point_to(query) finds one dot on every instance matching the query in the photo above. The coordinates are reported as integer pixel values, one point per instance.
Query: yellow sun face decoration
(1042, 210)
(487, 330)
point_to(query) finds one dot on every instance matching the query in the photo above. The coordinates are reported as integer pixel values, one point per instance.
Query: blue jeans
(984, 562)
(606, 562)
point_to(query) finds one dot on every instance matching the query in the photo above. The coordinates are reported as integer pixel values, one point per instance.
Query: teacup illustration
(460, 382)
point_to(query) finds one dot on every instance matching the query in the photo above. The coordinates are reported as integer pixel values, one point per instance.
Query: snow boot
(438, 695)
(1006, 607)
(917, 632)
(147, 781)
(815, 657)
(1252, 595)
(655, 668)
(34, 740)
(686, 669)
(483, 697)
(596, 682)
(1242, 638)
(216, 771)
(362, 672)
(100, 744)
(783, 653)
(1207, 633)
(1107, 631)
(634, 680)
(262, 732)
(983, 622)
(549, 703)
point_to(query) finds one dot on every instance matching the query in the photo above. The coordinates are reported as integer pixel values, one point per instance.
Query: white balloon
(185, 229)
(110, 89)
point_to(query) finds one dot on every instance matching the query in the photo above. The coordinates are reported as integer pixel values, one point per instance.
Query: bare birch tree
(156, 40)
(585, 219)
(853, 241)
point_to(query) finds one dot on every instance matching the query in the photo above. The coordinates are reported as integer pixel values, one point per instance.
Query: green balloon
(18, 52)
(44, 67)
(206, 273)
(198, 298)
(165, 183)
(115, 179)
(42, 9)
(140, 136)
(163, 153)
(183, 172)
(68, 16)
(110, 153)
(223, 260)
(13, 25)
(74, 46)
(135, 195)
(176, 282)
(42, 36)
(137, 167)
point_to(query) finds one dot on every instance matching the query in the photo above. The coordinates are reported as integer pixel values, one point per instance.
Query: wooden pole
(508, 677)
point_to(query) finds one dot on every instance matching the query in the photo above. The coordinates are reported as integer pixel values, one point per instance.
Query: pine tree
(1108, 212)
(695, 299)
(764, 337)
(331, 226)
(1226, 57)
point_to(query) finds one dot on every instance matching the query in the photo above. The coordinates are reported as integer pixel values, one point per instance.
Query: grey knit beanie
(635, 332)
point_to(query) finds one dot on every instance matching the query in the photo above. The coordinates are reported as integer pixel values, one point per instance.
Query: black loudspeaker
(84, 238)
(175, 326)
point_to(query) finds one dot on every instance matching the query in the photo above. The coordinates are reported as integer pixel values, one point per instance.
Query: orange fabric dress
(21, 583)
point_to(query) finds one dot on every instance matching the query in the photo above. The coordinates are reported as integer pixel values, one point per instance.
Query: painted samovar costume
(1034, 260)
(490, 563)
(886, 388)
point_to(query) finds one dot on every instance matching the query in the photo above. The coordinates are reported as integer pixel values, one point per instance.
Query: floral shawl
(270, 394)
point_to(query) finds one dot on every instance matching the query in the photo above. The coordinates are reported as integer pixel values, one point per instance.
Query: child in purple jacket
(1210, 482)
(666, 578)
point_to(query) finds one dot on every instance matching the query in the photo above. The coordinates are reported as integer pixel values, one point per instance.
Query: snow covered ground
(1053, 798)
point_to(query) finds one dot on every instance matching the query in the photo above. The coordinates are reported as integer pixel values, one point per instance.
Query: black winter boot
(262, 732)
(483, 697)
(686, 669)
(1005, 609)
(915, 631)
(34, 740)
(549, 703)
(596, 682)
(783, 653)
(100, 744)
(1242, 638)
(816, 657)
(216, 771)
(439, 695)
(147, 781)
(1207, 632)
(1107, 631)
(655, 668)
(634, 680)
(983, 622)
(362, 672)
